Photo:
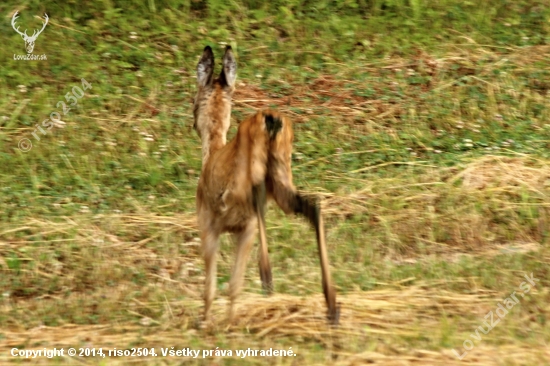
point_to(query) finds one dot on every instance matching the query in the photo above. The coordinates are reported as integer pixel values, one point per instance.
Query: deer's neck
(218, 112)
(212, 142)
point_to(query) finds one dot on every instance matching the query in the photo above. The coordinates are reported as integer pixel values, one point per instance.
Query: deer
(29, 41)
(237, 178)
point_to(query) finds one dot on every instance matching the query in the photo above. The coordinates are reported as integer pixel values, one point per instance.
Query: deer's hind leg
(259, 198)
(290, 201)
(244, 240)
(209, 246)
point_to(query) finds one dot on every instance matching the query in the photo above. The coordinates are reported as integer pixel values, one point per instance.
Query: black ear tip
(207, 49)
(228, 48)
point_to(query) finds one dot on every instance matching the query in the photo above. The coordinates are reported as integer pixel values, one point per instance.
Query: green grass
(423, 126)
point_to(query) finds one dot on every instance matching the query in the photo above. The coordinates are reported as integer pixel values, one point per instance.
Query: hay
(373, 317)
(491, 172)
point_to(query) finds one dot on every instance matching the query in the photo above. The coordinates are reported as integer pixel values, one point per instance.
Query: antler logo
(29, 41)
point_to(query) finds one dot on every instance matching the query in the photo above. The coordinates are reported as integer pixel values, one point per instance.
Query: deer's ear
(205, 67)
(229, 70)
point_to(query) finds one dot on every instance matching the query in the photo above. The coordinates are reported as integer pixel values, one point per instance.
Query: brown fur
(238, 177)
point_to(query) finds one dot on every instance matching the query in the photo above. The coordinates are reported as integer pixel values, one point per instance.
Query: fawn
(237, 178)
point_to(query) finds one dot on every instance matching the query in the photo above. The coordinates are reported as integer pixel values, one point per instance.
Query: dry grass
(472, 205)
(100, 256)
(382, 321)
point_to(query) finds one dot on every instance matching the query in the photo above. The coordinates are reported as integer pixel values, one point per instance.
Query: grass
(422, 126)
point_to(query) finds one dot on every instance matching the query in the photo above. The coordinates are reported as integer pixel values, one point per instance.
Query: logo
(29, 40)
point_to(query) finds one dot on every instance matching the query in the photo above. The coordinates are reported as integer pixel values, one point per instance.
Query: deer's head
(29, 40)
(212, 105)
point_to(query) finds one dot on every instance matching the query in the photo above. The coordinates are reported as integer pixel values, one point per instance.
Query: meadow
(422, 125)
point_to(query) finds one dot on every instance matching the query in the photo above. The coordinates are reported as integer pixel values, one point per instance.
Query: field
(422, 125)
